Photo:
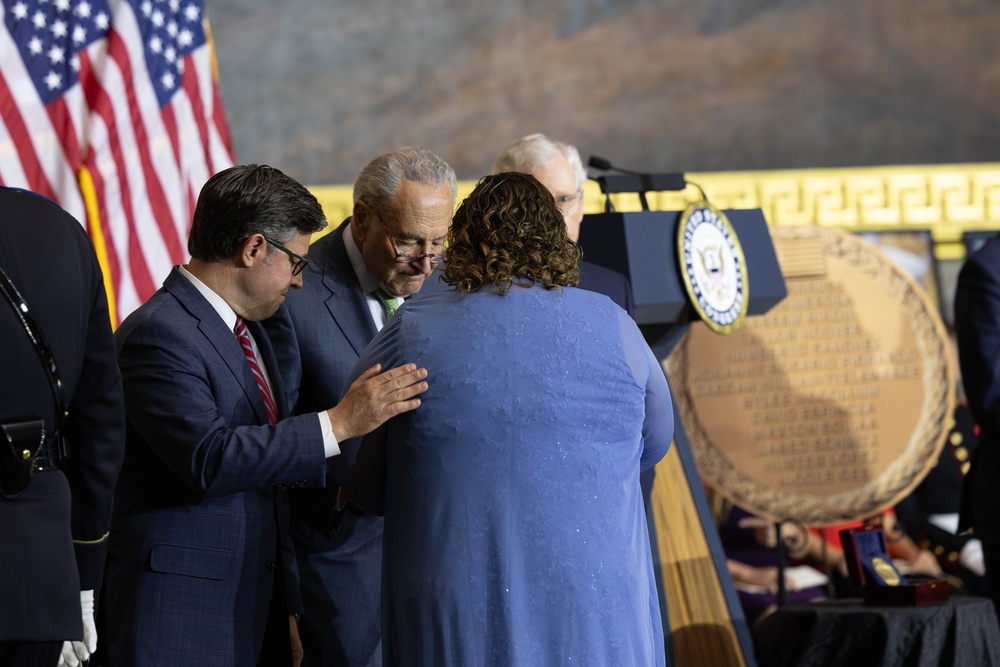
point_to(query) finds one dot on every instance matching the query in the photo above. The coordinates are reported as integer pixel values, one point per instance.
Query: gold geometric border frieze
(946, 199)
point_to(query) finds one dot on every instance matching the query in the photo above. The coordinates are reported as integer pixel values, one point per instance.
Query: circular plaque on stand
(831, 406)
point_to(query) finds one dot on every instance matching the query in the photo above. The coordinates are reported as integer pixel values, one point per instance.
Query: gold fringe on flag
(97, 237)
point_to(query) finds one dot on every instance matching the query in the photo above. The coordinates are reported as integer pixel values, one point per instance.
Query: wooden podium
(702, 618)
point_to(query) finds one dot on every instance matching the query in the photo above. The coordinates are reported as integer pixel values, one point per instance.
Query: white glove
(971, 557)
(76, 653)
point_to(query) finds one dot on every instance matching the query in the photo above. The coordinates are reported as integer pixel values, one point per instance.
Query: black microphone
(605, 165)
(600, 163)
(650, 182)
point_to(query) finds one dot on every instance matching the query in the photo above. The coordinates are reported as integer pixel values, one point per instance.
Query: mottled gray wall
(318, 87)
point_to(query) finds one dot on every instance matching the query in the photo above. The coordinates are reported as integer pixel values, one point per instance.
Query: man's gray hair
(379, 181)
(534, 150)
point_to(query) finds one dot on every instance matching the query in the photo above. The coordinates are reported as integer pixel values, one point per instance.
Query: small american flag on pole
(112, 109)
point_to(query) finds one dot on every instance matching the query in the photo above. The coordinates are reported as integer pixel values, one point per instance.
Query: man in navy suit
(977, 327)
(199, 513)
(54, 534)
(558, 167)
(386, 251)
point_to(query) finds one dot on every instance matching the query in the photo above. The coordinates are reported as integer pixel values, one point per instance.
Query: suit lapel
(221, 338)
(346, 302)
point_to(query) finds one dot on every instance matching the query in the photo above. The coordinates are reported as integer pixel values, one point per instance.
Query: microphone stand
(639, 182)
(780, 547)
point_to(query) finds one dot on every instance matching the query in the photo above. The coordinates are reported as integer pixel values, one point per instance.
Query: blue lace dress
(514, 524)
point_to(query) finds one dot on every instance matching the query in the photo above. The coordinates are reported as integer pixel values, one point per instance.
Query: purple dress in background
(740, 544)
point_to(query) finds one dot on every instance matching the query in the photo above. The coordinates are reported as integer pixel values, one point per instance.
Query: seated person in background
(749, 542)
(514, 524)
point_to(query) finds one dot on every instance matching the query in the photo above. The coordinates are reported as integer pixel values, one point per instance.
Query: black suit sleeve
(95, 431)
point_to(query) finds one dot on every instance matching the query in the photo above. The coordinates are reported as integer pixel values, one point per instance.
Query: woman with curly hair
(514, 524)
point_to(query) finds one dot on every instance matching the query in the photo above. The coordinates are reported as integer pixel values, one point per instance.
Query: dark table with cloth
(958, 633)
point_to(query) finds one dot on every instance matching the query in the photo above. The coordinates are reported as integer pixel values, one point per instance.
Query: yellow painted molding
(946, 199)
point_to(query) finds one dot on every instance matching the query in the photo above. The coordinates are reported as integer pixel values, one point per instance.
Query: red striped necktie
(244, 337)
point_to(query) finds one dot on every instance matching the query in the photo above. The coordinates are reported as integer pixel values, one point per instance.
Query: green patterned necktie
(389, 303)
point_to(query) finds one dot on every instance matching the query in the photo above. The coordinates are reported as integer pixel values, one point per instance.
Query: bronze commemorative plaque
(831, 406)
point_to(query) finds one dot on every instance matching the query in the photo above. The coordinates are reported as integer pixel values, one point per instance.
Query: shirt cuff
(330, 445)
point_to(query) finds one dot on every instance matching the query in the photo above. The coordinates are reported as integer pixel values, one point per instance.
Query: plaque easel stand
(779, 547)
(642, 246)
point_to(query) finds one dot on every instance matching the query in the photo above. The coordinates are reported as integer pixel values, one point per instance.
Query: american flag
(112, 109)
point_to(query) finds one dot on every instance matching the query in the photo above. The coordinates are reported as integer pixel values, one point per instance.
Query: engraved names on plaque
(832, 405)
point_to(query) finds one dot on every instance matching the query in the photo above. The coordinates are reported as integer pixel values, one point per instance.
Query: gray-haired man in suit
(558, 167)
(386, 251)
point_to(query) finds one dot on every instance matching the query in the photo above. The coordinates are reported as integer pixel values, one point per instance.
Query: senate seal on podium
(713, 267)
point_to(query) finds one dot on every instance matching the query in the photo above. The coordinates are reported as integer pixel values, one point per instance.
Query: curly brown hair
(509, 230)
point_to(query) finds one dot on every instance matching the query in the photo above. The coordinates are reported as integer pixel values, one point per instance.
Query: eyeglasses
(298, 261)
(405, 257)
